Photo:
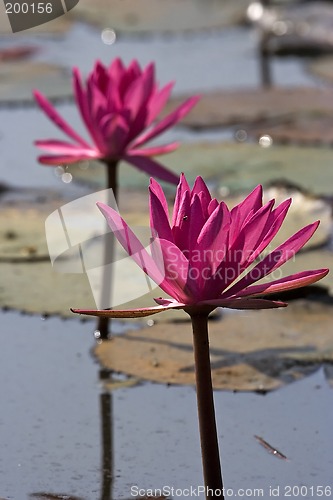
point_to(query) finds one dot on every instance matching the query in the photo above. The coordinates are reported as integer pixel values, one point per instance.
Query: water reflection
(107, 437)
(105, 403)
(53, 496)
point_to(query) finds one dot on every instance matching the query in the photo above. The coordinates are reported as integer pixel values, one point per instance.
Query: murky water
(53, 406)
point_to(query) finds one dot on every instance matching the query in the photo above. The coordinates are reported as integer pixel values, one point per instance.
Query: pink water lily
(119, 106)
(208, 256)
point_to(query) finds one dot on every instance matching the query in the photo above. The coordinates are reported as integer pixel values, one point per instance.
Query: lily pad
(305, 209)
(30, 283)
(253, 350)
(28, 280)
(18, 79)
(257, 105)
(305, 130)
(231, 166)
(22, 235)
(150, 16)
(37, 288)
(322, 67)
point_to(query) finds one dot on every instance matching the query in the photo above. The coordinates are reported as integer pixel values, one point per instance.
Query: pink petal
(273, 225)
(159, 220)
(176, 270)
(151, 167)
(101, 77)
(129, 241)
(63, 159)
(196, 221)
(130, 74)
(167, 122)
(116, 70)
(155, 151)
(50, 111)
(82, 102)
(113, 97)
(157, 102)
(239, 213)
(181, 188)
(125, 313)
(200, 187)
(134, 248)
(298, 280)
(96, 105)
(136, 100)
(155, 187)
(215, 233)
(55, 146)
(275, 259)
(250, 235)
(114, 129)
(212, 206)
(243, 252)
(181, 227)
(213, 243)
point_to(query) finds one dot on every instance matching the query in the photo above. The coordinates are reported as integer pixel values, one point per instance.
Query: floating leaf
(252, 351)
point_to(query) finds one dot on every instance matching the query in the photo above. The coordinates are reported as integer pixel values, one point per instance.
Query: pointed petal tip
(40, 98)
(76, 73)
(104, 208)
(100, 204)
(323, 272)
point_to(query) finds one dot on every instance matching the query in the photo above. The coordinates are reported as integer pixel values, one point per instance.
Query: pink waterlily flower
(119, 106)
(209, 256)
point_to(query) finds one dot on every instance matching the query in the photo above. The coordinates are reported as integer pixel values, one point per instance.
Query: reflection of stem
(107, 462)
(103, 324)
(207, 423)
(265, 70)
(266, 78)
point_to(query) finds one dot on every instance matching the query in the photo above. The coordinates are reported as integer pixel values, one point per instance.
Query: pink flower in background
(207, 257)
(119, 107)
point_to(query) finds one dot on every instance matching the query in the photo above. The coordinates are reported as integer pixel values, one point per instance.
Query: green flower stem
(205, 399)
(104, 324)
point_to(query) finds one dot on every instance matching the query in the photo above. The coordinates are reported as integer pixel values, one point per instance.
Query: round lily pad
(257, 105)
(303, 130)
(18, 79)
(322, 67)
(253, 350)
(28, 280)
(151, 16)
(231, 166)
(30, 283)
(22, 234)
